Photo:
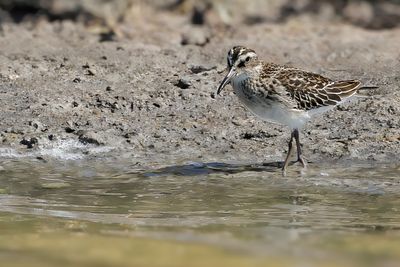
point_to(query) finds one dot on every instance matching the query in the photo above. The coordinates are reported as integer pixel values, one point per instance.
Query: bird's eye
(247, 59)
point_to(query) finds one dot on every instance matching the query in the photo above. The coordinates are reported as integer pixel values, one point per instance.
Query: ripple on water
(249, 205)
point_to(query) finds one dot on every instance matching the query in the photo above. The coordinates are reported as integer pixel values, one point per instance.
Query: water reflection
(251, 205)
(196, 168)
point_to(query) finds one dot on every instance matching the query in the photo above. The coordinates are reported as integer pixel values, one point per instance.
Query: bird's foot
(302, 161)
(284, 172)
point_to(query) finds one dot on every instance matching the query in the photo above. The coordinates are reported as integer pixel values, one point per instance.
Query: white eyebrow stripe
(244, 56)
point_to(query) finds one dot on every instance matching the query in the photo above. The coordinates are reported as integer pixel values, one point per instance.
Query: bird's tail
(361, 92)
(368, 88)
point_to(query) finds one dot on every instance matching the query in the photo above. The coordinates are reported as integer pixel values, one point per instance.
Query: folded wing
(312, 91)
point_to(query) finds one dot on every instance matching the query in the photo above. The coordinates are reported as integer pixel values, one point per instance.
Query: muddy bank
(150, 94)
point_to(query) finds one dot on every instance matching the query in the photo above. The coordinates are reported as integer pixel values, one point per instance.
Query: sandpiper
(282, 94)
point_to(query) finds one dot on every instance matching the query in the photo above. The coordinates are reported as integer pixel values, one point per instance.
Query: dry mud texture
(150, 96)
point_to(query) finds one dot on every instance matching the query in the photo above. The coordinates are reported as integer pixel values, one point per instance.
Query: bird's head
(239, 57)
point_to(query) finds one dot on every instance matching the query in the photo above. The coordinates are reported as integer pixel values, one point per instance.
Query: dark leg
(289, 153)
(299, 154)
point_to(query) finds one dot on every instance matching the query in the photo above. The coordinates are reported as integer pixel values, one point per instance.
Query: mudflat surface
(152, 94)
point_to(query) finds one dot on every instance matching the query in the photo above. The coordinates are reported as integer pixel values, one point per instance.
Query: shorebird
(282, 94)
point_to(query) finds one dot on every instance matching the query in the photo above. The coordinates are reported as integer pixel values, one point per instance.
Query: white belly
(271, 112)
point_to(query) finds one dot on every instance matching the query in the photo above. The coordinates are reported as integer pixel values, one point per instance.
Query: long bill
(226, 80)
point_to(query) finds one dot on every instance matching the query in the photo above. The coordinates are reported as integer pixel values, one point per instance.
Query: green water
(100, 213)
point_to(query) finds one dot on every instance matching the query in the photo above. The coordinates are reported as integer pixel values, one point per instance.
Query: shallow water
(102, 213)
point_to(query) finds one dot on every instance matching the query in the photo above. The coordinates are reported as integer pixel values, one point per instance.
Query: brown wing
(310, 90)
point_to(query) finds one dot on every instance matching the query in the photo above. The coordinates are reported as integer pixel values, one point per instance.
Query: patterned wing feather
(310, 91)
(334, 93)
